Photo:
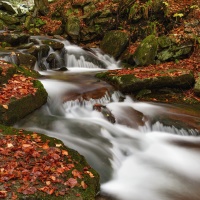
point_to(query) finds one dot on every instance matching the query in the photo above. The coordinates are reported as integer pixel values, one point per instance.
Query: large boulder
(72, 27)
(43, 167)
(132, 81)
(26, 59)
(20, 93)
(114, 43)
(146, 52)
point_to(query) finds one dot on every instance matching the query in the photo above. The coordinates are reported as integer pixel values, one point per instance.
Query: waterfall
(148, 152)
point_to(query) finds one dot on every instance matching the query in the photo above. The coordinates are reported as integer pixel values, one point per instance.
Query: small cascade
(141, 150)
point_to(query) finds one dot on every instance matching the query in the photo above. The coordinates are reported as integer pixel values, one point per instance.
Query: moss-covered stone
(54, 44)
(26, 59)
(164, 41)
(8, 19)
(146, 52)
(129, 83)
(89, 176)
(7, 70)
(14, 39)
(114, 43)
(19, 108)
(72, 27)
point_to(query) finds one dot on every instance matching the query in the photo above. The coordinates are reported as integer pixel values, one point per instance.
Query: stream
(150, 152)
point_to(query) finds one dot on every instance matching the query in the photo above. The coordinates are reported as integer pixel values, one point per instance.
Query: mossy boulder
(146, 52)
(44, 168)
(18, 108)
(14, 39)
(26, 59)
(197, 87)
(8, 19)
(53, 44)
(114, 43)
(20, 92)
(131, 83)
(72, 27)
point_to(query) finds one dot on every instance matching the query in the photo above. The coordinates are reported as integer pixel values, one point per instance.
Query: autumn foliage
(28, 165)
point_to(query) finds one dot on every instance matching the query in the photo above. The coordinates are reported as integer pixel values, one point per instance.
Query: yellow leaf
(5, 106)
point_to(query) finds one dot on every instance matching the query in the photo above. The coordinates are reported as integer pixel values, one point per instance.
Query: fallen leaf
(5, 106)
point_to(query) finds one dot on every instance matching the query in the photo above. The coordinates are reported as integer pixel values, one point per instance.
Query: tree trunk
(41, 6)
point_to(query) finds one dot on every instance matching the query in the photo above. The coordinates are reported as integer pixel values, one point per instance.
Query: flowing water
(142, 151)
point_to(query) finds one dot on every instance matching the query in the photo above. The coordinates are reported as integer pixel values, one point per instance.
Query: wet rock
(44, 50)
(26, 60)
(53, 44)
(146, 52)
(54, 61)
(114, 43)
(26, 46)
(105, 111)
(14, 39)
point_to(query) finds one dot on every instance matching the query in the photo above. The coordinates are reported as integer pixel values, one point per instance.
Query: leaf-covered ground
(30, 165)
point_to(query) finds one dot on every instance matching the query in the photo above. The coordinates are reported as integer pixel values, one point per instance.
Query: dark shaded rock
(105, 111)
(26, 59)
(34, 50)
(14, 39)
(44, 50)
(53, 44)
(8, 19)
(26, 46)
(54, 61)
(114, 43)
(146, 52)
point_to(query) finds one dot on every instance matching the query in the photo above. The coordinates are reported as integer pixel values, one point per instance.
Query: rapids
(151, 152)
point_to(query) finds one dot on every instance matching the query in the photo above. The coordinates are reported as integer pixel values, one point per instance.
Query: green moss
(9, 73)
(146, 51)
(27, 71)
(79, 163)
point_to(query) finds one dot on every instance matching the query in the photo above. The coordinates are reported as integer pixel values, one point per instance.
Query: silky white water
(149, 153)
